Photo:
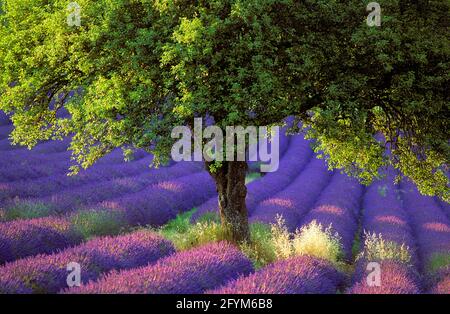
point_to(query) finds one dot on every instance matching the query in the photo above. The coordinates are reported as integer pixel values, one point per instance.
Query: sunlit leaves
(143, 67)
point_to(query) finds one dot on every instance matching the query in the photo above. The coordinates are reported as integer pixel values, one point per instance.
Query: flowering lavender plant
(47, 273)
(187, 272)
(297, 275)
(29, 237)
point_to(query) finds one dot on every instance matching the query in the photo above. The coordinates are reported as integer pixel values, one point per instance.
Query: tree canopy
(142, 67)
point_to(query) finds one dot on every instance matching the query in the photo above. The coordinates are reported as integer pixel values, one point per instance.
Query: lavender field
(133, 229)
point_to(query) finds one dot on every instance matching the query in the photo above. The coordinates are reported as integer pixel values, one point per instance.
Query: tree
(144, 66)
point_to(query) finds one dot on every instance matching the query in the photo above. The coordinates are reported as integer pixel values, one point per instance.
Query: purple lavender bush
(5, 130)
(28, 160)
(297, 275)
(23, 238)
(35, 165)
(294, 202)
(187, 272)
(291, 165)
(445, 207)
(4, 120)
(48, 147)
(52, 147)
(431, 226)
(396, 278)
(161, 202)
(12, 285)
(47, 184)
(5, 146)
(26, 171)
(77, 198)
(48, 273)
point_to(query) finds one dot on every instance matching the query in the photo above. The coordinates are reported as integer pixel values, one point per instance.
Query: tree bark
(230, 184)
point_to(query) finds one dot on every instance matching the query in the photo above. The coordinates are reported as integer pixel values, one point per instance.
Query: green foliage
(439, 261)
(356, 245)
(185, 235)
(214, 166)
(260, 249)
(26, 210)
(208, 228)
(90, 223)
(252, 177)
(179, 225)
(268, 243)
(142, 67)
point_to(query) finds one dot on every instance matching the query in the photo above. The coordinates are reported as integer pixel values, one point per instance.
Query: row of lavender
(49, 183)
(33, 177)
(54, 153)
(29, 165)
(387, 239)
(48, 273)
(85, 192)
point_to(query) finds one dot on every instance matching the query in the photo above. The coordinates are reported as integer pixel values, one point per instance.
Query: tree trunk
(230, 184)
